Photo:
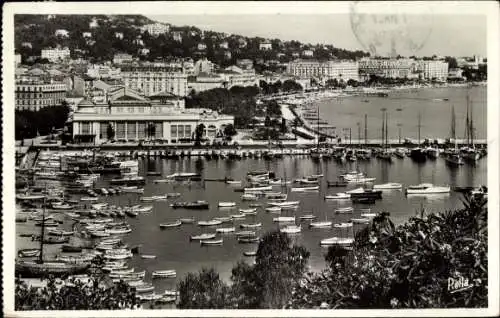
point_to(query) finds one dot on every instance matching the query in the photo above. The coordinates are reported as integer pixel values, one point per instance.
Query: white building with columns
(131, 117)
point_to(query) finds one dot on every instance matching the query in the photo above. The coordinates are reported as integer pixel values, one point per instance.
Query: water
(346, 112)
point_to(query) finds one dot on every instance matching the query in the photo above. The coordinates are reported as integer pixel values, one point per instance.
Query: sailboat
(41, 267)
(453, 156)
(418, 153)
(469, 153)
(316, 153)
(385, 154)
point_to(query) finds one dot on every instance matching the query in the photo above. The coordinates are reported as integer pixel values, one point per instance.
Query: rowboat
(342, 225)
(227, 204)
(143, 209)
(129, 275)
(209, 223)
(122, 271)
(245, 233)
(238, 216)
(166, 299)
(427, 188)
(284, 203)
(117, 231)
(249, 197)
(360, 220)
(146, 256)
(187, 220)
(169, 225)
(291, 229)
(321, 224)
(251, 225)
(146, 288)
(169, 273)
(57, 232)
(149, 297)
(28, 253)
(259, 189)
(211, 242)
(249, 211)
(204, 236)
(338, 196)
(225, 230)
(233, 182)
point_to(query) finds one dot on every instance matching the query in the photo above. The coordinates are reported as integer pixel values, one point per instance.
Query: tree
(291, 86)
(204, 290)
(273, 109)
(267, 121)
(229, 131)
(198, 133)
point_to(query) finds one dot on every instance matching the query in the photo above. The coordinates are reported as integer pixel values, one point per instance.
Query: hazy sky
(456, 35)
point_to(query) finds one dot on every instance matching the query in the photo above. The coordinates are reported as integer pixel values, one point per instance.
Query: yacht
(427, 188)
(388, 186)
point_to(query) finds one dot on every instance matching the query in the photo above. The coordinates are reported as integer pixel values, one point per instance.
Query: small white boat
(291, 229)
(338, 196)
(342, 225)
(209, 223)
(337, 241)
(360, 220)
(212, 242)
(169, 225)
(132, 189)
(225, 230)
(388, 186)
(146, 199)
(251, 225)
(245, 233)
(284, 203)
(89, 199)
(238, 216)
(249, 197)
(427, 188)
(307, 217)
(233, 182)
(259, 189)
(224, 219)
(250, 253)
(227, 204)
(274, 209)
(368, 215)
(284, 219)
(117, 231)
(148, 256)
(248, 211)
(187, 220)
(142, 209)
(204, 236)
(348, 209)
(321, 224)
(146, 288)
(305, 189)
(361, 180)
(58, 232)
(169, 273)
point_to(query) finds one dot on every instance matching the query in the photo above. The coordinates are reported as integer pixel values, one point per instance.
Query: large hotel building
(132, 117)
(151, 80)
(403, 68)
(33, 95)
(345, 70)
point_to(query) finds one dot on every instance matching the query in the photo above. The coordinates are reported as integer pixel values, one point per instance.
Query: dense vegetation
(39, 30)
(29, 124)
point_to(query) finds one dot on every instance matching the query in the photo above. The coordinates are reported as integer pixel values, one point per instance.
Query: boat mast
(386, 130)
(419, 119)
(383, 127)
(467, 121)
(471, 122)
(43, 228)
(366, 130)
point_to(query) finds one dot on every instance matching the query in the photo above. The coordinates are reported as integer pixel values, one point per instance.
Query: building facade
(36, 95)
(121, 58)
(155, 29)
(152, 80)
(56, 54)
(388, 68)
(433, 70)
(324, 70)
(204, 82)
(126, 116)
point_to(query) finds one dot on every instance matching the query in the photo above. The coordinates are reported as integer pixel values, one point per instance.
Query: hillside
(223, 49)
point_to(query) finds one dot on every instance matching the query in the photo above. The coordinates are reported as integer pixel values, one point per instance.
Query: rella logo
(458, 284)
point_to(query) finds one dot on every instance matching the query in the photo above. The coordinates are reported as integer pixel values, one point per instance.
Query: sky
(420, 35)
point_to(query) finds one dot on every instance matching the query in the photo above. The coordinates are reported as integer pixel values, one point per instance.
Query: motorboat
(238, 216)
(388, 186)
(307, 217)
(250, 253)
(305, 189)
(344, 210)
(342, 225)
(274, 209)
(225, 230)
(259, 189)
(250, 225)
(338, 196)
(284, 219)
(209, 223)
(284, 203)
(427, 188)
(249, 197)
(148, 256)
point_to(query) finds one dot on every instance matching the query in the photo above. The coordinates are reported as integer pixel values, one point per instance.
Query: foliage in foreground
(74, 295)
(409, 266)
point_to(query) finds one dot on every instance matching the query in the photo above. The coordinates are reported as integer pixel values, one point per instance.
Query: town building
(86, 35)
(245, 64)
(131, 117)
(155, 29)
(121, 58)
(265, 46)
(103, 72)
(224, 45)
(388, 68)
(204, 82)
(308, 53)
(18, 59)
(93, 24)
(177, 36)
(345, 70)
(234, 76)
(242, 43)
(455, 73)
(151, 80)
(203, 66)
(433, 70)
(144, 51)
(202, 46)
(55, 54)
(34, 95)
(119, 35)
(27, 44)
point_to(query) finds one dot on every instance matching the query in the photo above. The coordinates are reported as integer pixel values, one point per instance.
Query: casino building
(124, 115)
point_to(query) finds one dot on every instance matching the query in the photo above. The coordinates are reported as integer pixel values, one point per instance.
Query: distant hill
(223, 49)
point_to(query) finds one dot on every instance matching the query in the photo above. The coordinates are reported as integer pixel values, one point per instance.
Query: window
(103, 130)
(131, 126)
(141, 130)
(141, 109)
(85, 128)
(187, 131)
(120, 130)
(159, 130)
(173, 131)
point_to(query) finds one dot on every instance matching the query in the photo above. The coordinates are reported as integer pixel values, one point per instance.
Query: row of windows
(40, 95)
(180, 131)
(45, 102)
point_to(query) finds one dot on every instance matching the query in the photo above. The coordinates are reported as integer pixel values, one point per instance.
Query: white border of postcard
(490, 10)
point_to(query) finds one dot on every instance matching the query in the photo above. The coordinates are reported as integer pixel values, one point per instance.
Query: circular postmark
(395, 33)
